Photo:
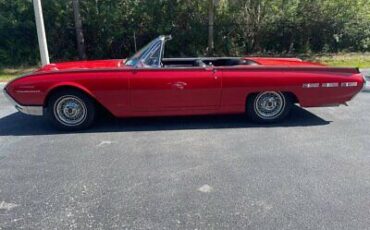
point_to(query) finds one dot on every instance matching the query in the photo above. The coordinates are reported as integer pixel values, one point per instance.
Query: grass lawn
(361, 60)
(10, 73)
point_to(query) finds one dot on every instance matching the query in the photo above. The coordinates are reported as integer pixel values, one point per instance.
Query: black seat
(200, 63)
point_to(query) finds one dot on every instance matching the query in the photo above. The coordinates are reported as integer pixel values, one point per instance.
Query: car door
(150, 90)
(197, 87)
(175, 89)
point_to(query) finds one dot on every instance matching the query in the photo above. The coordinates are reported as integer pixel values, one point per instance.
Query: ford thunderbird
(147, 84)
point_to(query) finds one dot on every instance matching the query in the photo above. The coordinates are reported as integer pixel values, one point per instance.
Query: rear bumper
(29, 110)
(367, 83)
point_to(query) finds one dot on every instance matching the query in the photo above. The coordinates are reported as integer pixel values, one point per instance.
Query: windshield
(132, 61)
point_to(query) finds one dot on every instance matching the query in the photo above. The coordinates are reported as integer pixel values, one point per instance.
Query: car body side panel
(174, 89)
(202, 93)
(109, 88)
(325, 96)
(239, 83)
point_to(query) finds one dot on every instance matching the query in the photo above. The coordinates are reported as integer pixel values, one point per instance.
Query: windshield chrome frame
(146, 53)
(150, 51)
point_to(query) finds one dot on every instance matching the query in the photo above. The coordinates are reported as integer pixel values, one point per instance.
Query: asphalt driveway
(212, 172)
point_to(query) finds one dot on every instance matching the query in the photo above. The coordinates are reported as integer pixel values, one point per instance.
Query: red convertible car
(147, 84)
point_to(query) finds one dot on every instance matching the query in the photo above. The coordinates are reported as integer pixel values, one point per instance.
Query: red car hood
(96, 64)
(282, 61)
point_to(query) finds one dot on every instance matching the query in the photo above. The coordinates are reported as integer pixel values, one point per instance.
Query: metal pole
(41, 32)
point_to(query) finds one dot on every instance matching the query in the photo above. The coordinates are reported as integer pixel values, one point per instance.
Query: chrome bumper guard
(29, 110)
(367, 83)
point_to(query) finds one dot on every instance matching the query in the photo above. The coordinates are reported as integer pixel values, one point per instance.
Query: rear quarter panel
(239, 83)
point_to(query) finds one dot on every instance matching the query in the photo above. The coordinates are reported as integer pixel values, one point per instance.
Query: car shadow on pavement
(18, 124)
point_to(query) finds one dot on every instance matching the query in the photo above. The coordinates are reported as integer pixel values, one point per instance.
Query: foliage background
(242, 27)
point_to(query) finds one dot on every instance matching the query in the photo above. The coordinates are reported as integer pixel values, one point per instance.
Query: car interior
(152, 56)
(204, 62)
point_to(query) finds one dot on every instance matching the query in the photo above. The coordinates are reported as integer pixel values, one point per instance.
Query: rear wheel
(71, 110)
(268, 107)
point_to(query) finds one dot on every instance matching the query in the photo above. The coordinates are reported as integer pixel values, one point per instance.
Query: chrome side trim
(349, 84)
(330, 85)
(29, 110)
(310, 85)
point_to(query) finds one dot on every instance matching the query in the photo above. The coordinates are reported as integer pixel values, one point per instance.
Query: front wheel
(71, 110)
(268, 107)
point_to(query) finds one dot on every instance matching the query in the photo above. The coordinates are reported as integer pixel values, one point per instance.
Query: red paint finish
(282, 61)
(126, 91)
(175, 89)
(83, 65)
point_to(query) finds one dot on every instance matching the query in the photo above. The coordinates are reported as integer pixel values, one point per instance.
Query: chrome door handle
(178, 84)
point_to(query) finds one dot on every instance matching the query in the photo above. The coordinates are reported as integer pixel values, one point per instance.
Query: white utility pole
(44, 53)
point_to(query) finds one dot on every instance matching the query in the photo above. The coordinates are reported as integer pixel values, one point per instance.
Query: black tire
(256, 111)
(71, 110)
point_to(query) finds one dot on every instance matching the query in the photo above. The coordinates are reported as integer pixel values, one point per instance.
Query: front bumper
(29, 110)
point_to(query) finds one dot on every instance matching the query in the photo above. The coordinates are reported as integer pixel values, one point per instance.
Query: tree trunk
(211, 43)
(79, 32)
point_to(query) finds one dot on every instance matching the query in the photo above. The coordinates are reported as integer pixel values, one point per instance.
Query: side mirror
(168, 37)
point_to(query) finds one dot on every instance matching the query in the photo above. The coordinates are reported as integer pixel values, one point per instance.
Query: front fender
(61, 85)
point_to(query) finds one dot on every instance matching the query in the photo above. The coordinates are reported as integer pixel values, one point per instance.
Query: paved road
(312, 172)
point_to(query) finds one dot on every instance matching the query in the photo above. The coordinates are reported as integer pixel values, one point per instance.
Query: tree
(211, 42)
(240, 27)
(79, 32)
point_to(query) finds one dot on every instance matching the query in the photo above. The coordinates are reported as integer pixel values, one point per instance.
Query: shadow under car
(18, 124)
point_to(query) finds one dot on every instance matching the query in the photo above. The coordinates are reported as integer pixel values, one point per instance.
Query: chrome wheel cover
(70, 110)
(269, 105)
